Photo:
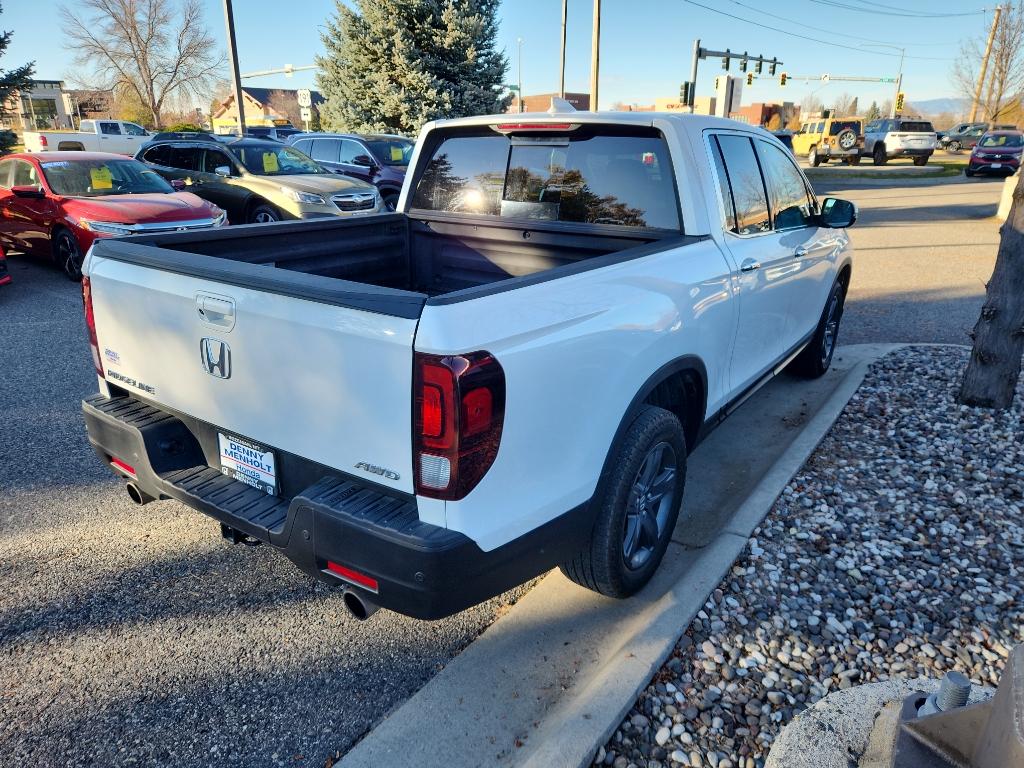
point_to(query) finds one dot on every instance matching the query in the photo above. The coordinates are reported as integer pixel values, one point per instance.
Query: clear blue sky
(646, 44)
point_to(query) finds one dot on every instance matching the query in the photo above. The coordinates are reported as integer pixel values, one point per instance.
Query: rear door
(111, 139)
(329, 383)
(27, 219)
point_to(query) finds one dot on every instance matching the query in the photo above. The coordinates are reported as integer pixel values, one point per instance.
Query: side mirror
(223, 170)
(364, 160)
(177, 185)
(837, 213)
(28, 191)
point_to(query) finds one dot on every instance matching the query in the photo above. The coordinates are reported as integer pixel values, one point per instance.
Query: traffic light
(743, 62)
(684, 93)
(782, 78)
(750, 78)
(725, 60)
(771, 69)
(899, 101)
(758, 65)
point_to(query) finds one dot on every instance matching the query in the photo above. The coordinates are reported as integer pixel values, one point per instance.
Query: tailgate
(329, 383)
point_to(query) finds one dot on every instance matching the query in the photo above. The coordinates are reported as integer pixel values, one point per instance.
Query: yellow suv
(827, 138)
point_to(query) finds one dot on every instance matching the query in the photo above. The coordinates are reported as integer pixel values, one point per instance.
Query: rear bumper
(422, 570)
(911, 152)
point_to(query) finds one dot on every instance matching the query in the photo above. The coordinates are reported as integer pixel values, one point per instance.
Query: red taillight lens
(43, 142)
(353, 577)
(460, 410)
(90, 323)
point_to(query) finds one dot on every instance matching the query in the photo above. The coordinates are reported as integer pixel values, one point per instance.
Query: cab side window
(132, 129)
(750, 200)
(791, 206)
(6, 166)
(24, 175)
(110, 129)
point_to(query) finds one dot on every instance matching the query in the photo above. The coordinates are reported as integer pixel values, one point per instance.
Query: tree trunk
(994, 367)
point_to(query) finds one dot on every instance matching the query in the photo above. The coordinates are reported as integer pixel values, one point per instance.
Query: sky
(646, 45)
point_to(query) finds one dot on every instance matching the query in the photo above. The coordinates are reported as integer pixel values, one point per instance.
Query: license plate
(997, 165)
(248, 462)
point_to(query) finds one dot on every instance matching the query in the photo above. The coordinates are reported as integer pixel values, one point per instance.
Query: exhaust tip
(357, 606)
(137, 495)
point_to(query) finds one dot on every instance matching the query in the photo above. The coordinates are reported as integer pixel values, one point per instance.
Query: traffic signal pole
(693, 72)
(726, 55)
(236, 78)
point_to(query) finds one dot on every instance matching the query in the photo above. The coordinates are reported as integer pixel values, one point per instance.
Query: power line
(806, 37)
(886, 10)
(840, 34)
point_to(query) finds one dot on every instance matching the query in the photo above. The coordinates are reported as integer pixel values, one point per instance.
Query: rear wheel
(878, 156)
(813, 157)
(67, 254)
(921, 160)
(638, 504)
(854, 159)
(954, 146)
(816, 357)
(390, 200)
(263, 213)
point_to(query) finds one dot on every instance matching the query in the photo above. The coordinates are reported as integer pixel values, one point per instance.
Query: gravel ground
(896, 552)
(136, 635)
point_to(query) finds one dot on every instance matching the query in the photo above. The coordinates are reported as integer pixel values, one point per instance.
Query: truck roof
(692, 122)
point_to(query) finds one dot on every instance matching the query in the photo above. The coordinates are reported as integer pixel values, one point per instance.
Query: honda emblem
(216, 357)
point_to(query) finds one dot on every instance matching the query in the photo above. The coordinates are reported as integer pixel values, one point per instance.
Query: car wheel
(968, 173)
(263, 214)
(954, 147)
(637, 507)
(390, 200)
(816, 357)
(921, 160)
(67, 254)
(813, 157)
(878, 156)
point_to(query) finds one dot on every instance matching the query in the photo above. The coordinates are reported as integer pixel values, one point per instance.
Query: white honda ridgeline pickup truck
(431, 406)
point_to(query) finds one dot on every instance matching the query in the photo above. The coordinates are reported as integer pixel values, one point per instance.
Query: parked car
(828, 138)
(59, 203)
(277, 132)
(92, 136)
(509, 373)
(380, 159)
(899, 137)
(965, 138)
(259, 180)
(5, 276)
(996, 151)
(943, 136)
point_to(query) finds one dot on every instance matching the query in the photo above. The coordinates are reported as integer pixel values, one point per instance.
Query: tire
(813, 157)
(968, 173)
(921, 160)
(816, 357)
(878, 156)
(855, 160)
(263, 213)
(631, 532)
(954, 147)
(390, 200)
(67, 254)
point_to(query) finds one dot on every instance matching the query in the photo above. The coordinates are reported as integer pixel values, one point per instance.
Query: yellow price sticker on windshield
(101, 177)
(270, 162)
(396, 154)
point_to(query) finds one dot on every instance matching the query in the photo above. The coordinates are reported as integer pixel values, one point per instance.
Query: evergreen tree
(873, 112)
(11, 80)
(392, 65)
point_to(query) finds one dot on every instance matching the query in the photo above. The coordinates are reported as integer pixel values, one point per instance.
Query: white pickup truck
(115, 136)
(429, 407)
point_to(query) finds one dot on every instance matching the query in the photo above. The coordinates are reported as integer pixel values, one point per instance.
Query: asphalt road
(924, 251)
(136, 635)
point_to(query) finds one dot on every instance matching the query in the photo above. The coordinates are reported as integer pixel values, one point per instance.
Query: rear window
(623, 179)
(916, 126)
(840, 125)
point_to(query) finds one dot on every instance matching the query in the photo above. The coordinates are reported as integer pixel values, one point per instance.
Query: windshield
(1002, 140)
(840, 125)
(391, 151)
(276, 160)
(98, 178)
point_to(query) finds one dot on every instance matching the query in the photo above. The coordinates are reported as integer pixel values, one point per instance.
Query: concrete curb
(547, 684)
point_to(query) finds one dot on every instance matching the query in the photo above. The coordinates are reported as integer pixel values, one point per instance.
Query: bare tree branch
(1004, 80)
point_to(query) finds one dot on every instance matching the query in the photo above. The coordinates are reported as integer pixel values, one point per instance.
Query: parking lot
(135, 635)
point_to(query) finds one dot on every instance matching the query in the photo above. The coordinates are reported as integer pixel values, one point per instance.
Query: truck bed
(390, 263)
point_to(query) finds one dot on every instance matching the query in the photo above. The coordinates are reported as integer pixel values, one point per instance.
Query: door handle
(749, 265)
(217, 311)
(800, 251)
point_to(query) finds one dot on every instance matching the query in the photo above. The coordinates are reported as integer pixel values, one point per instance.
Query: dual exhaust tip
(358, 607)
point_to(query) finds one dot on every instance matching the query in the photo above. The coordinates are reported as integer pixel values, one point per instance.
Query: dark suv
(378, 158)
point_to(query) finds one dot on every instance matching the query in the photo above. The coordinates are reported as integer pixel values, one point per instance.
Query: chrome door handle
(749, 265)
(800, 251)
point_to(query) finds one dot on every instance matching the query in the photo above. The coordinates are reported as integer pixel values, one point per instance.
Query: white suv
(895, 137)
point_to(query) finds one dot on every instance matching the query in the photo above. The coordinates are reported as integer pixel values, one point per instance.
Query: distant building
(702, 105)
(46, 105)
(263, 106)
(541, 102)
(761, 113)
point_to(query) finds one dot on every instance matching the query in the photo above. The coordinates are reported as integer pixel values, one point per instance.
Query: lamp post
(519, 41)
(899, 76)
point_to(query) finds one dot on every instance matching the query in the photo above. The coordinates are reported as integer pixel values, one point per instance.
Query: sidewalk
(550, 681)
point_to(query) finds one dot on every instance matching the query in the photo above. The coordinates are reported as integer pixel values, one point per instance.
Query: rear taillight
(90, 323)
(458, 412)
(43, 142)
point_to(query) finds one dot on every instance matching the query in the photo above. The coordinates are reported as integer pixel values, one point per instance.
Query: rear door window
(185, 158)
(158, 155)
(750, 200)
(587, 177)
(110, 129)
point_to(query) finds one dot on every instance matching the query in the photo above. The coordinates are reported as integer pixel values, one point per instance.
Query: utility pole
(561, 77)
(236, 78)
(899, 84)
(693, 73)
(595, 55)
(984, 64)
(519, 41)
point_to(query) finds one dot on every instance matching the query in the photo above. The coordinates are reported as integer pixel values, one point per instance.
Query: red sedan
(5, 278)
(57, 203)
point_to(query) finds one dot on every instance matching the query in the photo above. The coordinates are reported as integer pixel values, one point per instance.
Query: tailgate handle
(218, 311)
